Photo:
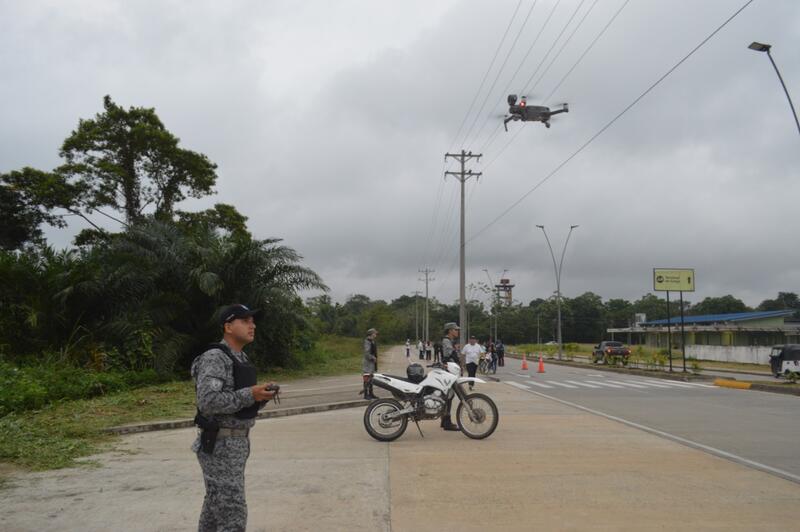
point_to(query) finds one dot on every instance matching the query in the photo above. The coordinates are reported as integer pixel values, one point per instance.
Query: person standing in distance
(408, 348)
(228, 400)
(472, 353)
(449, 354)
(370, 364)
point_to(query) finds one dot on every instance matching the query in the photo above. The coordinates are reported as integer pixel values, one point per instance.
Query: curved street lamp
(558, 279)
(761, 47)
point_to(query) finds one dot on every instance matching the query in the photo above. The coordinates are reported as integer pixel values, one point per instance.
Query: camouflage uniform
(224, 506)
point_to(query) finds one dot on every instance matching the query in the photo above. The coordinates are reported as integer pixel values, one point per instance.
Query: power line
(563, 46)
(572, 68)
(610, 123)
(519, 67)
(552, 46)
(486, 74)
(588, 48)
(497, 76)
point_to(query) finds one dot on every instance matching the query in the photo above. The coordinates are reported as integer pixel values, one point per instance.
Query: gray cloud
(329, 123)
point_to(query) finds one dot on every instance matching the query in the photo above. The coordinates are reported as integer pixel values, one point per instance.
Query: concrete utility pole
(416, 313)
(558, 279)
(426, 330)
(462, 176)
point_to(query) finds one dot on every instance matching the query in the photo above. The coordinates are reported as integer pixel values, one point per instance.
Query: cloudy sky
(329, 122)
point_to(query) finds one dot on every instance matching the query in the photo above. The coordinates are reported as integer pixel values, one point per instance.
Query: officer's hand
(260, 392)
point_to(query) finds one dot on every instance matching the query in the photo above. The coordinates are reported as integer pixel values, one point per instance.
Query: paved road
(752, 426)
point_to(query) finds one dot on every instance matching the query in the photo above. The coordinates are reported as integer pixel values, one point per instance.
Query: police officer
(228, 400)
(370, 363)
(449, 354)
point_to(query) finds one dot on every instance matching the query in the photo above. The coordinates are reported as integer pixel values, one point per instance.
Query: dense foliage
(585, 318)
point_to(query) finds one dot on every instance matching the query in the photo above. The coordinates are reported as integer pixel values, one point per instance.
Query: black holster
(208, 433)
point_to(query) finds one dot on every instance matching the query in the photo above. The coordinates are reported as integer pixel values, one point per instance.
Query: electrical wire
(610, 123)
(485, 75)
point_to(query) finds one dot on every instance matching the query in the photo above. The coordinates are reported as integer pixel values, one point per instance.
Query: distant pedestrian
(472, 354)
(501, 353)
(408, 348)
(370, 364)
(421, 349)
(437, 352)
(428, 350)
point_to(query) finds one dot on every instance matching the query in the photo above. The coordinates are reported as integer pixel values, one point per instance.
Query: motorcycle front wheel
(378, 426)
(484, 416)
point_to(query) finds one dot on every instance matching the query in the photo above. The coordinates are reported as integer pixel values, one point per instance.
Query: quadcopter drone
(529, 113)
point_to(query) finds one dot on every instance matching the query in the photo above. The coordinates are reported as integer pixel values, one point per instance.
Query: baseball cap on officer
(236, 311)
(451, 325)
(370, 332)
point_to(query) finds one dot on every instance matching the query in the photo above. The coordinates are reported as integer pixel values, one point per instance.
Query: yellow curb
(725, 383)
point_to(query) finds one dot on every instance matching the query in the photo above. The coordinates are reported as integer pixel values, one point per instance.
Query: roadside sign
(673, 280)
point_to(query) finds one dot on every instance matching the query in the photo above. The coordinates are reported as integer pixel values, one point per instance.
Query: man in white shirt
(472, 353)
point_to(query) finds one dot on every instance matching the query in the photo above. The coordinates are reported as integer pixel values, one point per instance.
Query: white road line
(673, 383)
(583, 384)
(632, 385)
(689, 443)
(648, 383)
(556, 383)
(539, 384)
(518, 385)
(605, 384)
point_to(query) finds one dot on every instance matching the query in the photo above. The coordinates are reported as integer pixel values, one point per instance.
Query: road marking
(632, 385)
(655, 385)
(680, 384)
(518, 385)
(583, 384)
(556, 383)
(539, 384)
(521, 374)
(605, 384)
(689, 443)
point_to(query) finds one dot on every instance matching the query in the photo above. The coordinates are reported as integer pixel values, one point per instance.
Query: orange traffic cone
(524, 363)
(541, 365)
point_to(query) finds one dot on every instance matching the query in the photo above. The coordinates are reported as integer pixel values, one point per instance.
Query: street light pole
(760, 47)
(557, 270)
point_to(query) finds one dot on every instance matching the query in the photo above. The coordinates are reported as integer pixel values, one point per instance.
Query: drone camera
(512, 99)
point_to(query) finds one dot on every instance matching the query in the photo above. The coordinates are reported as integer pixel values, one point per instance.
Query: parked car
(610, 353)
(785, 359)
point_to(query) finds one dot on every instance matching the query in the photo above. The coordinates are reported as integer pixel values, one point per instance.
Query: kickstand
(419, 429)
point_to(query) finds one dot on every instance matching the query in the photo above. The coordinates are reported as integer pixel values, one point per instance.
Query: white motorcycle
(418, 397)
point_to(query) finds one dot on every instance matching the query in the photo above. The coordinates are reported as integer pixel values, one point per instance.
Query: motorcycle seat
(398, 377)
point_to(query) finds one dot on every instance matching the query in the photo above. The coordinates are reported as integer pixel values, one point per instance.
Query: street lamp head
(540, 226)
(760, 47)
(573, 226)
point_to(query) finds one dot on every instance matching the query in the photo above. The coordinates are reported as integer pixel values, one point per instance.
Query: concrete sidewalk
(547, 467)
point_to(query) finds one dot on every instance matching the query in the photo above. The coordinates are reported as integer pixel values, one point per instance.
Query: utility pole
(425, 321)
(462, 176)
(416, 314)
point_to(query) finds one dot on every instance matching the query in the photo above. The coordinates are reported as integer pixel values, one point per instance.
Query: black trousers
(472, 367)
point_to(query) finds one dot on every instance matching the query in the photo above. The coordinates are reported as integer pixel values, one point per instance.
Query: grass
(60, 434)
(585, 350)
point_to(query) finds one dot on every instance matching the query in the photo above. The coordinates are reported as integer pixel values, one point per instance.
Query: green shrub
(32, 387)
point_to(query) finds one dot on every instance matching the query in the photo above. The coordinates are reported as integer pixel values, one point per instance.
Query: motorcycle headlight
(454, 368)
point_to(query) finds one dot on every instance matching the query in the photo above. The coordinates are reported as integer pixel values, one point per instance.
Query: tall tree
(719, 305)
(128, 161)
(29, 198)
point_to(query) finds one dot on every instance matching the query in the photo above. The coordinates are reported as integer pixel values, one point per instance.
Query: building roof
(721, 318)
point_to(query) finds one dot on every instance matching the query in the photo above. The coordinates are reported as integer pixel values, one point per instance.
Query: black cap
(234, 312)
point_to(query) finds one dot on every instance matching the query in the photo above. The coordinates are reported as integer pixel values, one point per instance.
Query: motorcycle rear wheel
(486, 416)
(380, 429)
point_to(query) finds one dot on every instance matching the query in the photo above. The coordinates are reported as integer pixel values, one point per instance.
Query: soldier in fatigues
(228, 400)
(370, 363)
(449, 354)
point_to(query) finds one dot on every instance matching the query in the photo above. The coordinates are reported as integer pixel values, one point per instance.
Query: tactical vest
(245, 375)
